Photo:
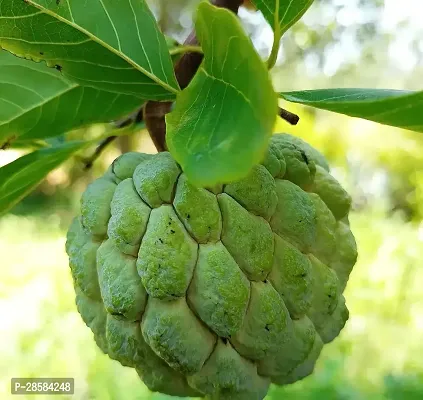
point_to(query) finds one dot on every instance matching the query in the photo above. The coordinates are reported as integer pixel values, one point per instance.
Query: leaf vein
(70, 11)
(139, 35)
(46, 43)
(230, 85)
(46, 100)
(150, 75)
(22, 87)
(21, 16)
(11, 102)
(113, 25)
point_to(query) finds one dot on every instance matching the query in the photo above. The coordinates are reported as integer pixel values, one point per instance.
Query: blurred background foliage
(379, 355)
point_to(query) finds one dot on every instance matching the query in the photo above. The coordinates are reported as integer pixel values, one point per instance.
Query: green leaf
(110, 45)
(223, 120)
(20, 177)
(32, 144)
(399, 108)
(282, 14)
(37, 102)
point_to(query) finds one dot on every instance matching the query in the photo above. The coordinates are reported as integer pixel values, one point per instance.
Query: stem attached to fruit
(185, 69)
(154, 113)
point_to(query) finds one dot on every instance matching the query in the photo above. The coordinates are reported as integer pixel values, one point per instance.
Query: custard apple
(214, 292)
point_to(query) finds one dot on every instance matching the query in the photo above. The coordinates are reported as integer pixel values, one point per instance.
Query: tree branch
(185, 69)
(154, 117)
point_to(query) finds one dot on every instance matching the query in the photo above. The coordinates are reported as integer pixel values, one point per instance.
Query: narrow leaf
(282, 14)
(106, 44)
(20, 177)
(37, 102)
(399, 108)
(32, 144)
(222, 121)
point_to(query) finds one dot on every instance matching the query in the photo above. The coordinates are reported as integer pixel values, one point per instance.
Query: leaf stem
(186, 49)
(275, 50)
(276, 39)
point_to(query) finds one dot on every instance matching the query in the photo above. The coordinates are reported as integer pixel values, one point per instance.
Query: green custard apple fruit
(214, 292)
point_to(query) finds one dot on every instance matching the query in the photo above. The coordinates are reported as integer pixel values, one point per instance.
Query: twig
(88, 162)
(8, 142)
(154, 117)
(185, 69)
(133, 118)
(288, 116)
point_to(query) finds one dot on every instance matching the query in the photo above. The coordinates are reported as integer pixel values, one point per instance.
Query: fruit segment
(214, 291)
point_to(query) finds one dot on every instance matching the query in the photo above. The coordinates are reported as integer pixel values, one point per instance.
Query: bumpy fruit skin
(214, 292)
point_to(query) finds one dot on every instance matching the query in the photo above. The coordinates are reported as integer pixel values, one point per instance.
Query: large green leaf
(38, 102)
(402, 109)
(222, 121)
(20, 177)
(106, 44)
(282, 14)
